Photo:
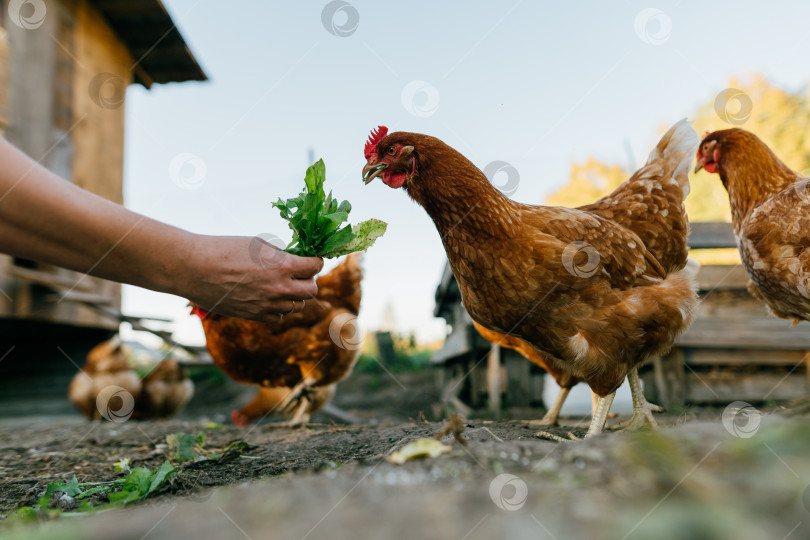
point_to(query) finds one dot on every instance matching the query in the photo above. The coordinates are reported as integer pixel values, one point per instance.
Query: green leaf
(160, 476)
(124, 497)
(138, 480)
(340, 238)
(363, 237)
(71, 489)
(184, 447)
(315, 176)
(27, 513)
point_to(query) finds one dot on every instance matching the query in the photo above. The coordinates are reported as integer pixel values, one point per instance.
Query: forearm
(45, 218)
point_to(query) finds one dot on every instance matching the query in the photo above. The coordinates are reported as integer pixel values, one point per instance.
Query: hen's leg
(294, 393)
(553, 414)
(594, 398)
(598, 419)
(301, 415)
(600, 414)
(642, 409)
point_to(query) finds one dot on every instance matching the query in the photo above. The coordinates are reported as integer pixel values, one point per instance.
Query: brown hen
(652, 207)
(582, 289)
(311, 349)
(770, 213)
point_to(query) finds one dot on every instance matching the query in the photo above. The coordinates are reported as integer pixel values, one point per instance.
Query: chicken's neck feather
(752, 174)
(461, 200)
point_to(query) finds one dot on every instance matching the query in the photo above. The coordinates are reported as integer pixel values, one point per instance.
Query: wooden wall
(100, 80)
(67, 84)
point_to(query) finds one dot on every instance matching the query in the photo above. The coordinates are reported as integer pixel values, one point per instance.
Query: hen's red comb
(706, 134)
(376, 136)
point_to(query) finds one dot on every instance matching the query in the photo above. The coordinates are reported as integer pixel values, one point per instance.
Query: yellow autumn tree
(779, 117)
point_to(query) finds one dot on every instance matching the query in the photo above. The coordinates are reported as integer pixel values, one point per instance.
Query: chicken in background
(300, 356)
(163, 392)
(770, 213)
(107, 365)
(581, 288)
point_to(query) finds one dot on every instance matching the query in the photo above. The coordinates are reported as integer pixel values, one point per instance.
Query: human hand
(248, 278)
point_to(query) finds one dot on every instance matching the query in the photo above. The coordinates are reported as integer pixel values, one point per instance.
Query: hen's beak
(372, 171)
(699, 163)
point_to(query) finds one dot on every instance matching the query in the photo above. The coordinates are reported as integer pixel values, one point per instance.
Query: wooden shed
(65, 66)
(735, 350)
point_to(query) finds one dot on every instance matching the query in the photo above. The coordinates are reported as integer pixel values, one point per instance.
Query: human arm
(45, 218)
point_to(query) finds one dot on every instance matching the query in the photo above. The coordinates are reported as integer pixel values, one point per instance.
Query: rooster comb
(377, 134)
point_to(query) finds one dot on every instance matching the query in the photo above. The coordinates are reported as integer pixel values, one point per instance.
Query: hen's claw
(551, 417)
(642, 409)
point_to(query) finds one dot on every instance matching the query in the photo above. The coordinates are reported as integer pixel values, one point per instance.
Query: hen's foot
(642, 409)
(551, 417)
(548, 420)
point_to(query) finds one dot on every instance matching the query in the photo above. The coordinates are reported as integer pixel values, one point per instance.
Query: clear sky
(535, 84)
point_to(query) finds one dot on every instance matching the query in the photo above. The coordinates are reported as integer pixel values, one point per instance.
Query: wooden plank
(709, 235)
(769, 335)
(724, 387)
(385, 348)
(732, 305)
(807, 368)
(80, 297)
(669, 379)
(494, 380)
(744, 357)
(537, 384)
(518, 391)
(722, 276)
(98, 137)
(48, 279)
(477, 382)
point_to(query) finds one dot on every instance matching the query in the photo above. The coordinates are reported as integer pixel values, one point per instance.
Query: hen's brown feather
(770, 208)
(304, 346)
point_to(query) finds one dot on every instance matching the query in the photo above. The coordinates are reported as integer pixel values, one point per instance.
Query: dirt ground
(692, 478)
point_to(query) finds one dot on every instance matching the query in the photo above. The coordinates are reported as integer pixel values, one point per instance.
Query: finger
(287, 307)
(305, 267)
(301, 289)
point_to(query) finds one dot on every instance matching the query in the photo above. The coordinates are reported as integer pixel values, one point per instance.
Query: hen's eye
(392, 150)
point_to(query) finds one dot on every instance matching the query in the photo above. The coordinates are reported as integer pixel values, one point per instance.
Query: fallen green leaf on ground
(316, 219)
(184, 447)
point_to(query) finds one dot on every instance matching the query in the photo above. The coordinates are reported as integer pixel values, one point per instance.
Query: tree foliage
(779, 117)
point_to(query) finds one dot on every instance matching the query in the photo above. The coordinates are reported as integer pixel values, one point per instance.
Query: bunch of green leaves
(316, 220)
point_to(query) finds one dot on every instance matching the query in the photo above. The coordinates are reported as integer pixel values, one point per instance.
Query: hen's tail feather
(677, 148)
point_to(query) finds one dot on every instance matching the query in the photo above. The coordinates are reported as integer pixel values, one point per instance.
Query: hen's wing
(586, 245)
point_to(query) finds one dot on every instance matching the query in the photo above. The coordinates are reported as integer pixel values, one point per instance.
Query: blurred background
(204, 114)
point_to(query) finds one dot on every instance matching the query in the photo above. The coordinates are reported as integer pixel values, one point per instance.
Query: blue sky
(536, 84)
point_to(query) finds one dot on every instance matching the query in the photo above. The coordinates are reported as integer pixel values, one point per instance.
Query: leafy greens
(317, 219)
